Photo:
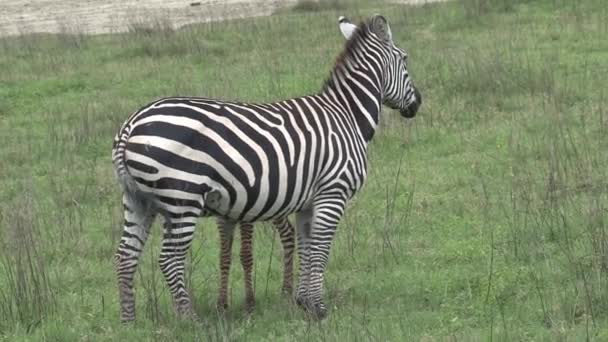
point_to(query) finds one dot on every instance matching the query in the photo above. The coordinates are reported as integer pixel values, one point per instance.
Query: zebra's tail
(143, 202)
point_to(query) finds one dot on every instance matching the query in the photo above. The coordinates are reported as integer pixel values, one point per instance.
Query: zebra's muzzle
(412, 109)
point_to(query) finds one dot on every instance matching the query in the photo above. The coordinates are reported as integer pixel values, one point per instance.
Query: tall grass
(484, 218)
(27, 294)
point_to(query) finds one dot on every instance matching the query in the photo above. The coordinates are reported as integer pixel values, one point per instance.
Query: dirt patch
(93, 17)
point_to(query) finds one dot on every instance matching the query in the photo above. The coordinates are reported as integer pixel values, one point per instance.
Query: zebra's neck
(355, 83)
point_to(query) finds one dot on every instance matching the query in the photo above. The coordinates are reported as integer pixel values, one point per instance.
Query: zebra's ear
(346, 27)
(381, 28)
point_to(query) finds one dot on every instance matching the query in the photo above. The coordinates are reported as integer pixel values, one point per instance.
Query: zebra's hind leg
(134, 236)
(303, 225)
(226, 230)
(287, 234)
(247, 263)
(177, 238)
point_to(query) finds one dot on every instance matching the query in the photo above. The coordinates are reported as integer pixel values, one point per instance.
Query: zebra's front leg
(177, 238)
(303, 229)
(247, 263)
(287, 235)
(226, 230)
(327, 213)
(134, 236)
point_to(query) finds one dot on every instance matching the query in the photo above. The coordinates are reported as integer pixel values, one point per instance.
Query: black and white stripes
(184, 158)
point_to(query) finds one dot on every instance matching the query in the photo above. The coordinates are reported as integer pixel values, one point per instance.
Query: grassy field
(485, 218)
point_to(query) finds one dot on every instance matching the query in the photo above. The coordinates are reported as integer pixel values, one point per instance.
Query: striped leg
(286, 232)
(226, 230)
(177, 237)
(303, 225)
(327, 213)
(247, 263)
(134, 236)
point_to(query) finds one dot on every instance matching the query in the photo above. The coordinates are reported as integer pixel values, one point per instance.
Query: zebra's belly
(252, 206)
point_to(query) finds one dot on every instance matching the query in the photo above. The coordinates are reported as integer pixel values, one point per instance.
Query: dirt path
(105, 16)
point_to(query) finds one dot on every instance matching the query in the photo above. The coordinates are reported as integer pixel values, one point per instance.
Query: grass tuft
(484, 218)
(317, 6)
(27, 294)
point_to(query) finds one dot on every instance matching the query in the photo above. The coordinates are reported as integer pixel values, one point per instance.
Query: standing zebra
(188, 157)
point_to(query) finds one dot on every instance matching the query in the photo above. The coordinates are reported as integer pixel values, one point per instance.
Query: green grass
(485, 218)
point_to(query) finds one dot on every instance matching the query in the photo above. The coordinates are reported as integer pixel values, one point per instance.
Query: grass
(486, 218)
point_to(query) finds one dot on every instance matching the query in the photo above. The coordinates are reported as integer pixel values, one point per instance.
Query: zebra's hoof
(222, 306)
(302, 301)
(194, 317)
(249, 305)
(185, 312)
(189, 316)
(287, 291)
(317, 311)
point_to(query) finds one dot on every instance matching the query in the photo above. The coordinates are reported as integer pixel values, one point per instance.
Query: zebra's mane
(358, 38)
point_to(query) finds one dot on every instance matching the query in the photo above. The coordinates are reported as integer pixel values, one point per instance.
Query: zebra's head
(398, 90)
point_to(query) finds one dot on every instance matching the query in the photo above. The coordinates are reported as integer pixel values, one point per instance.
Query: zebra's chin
(410, 112)
(412, 109)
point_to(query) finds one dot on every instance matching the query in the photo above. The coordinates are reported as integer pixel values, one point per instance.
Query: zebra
(287, 237)
(188, 157)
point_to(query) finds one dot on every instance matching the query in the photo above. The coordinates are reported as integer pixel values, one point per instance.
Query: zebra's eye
(405, 57)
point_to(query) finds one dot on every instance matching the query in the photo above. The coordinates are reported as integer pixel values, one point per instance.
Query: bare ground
(88, 16)
(107, 16)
